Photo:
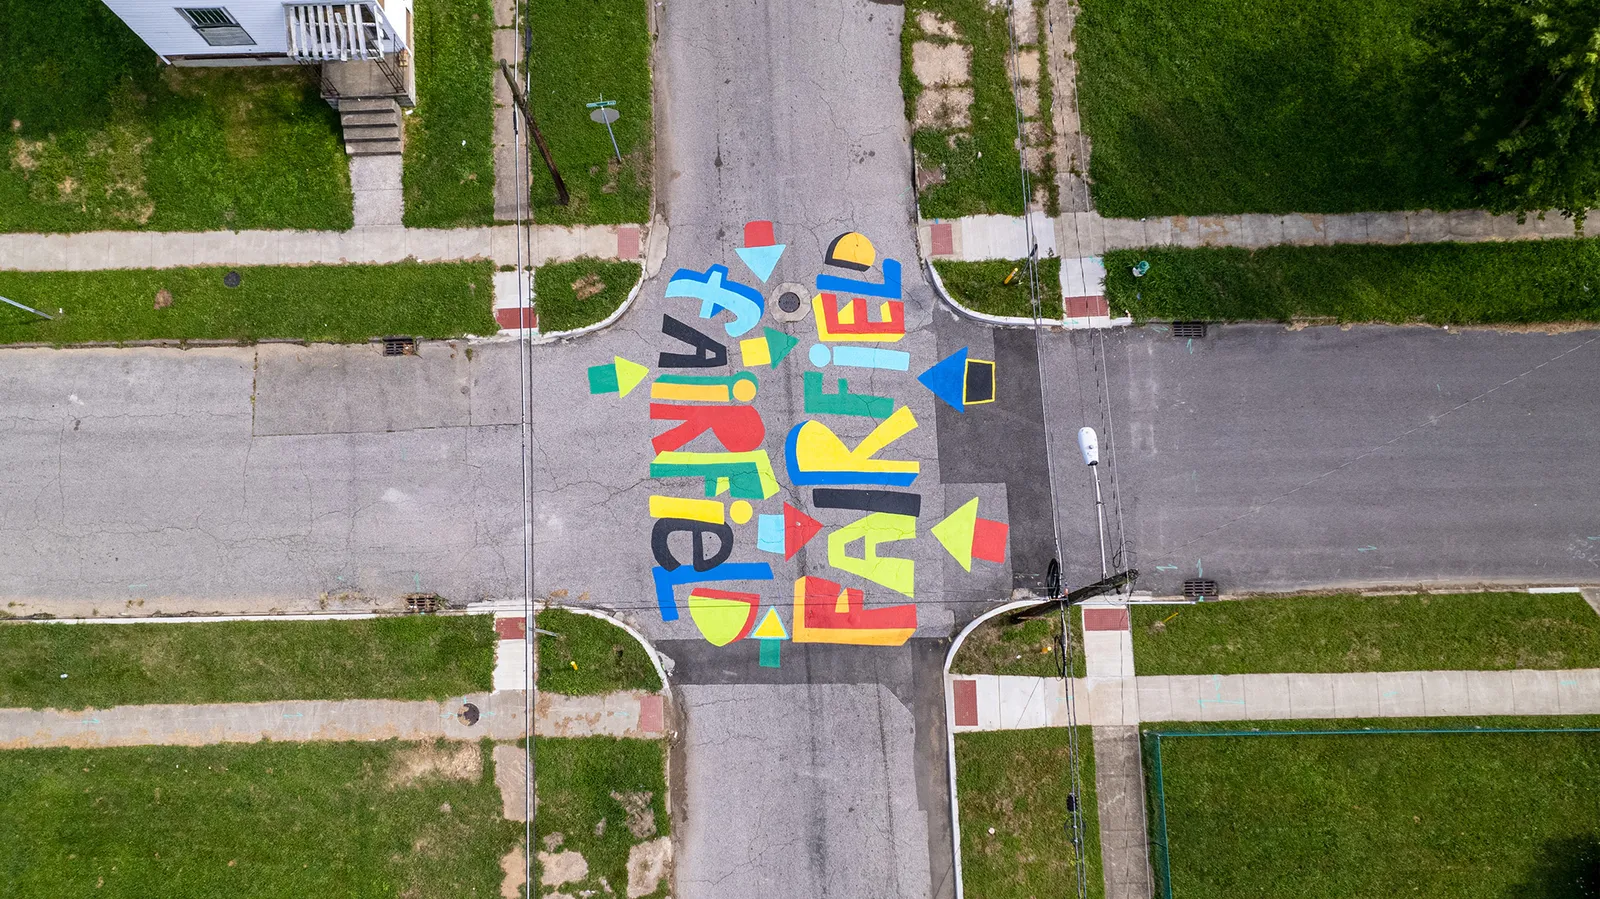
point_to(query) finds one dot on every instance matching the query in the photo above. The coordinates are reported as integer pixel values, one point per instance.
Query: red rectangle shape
(628, 242)
(1098, 306)
(989, 540)
(511, 628)
(944, 239)
(652, 710)
(514, 318)
(1105, 619)
(966, 703)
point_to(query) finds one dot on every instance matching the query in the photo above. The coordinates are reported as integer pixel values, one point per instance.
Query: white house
(363, 48)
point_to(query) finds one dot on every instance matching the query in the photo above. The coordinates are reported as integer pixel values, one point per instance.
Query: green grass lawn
(1029, 649)
(336, 303)
(1522, 282)
(1334, 634)
(582, 49)
(1017, 782)
(602, 285)
(606, 656)
(1469, 816)
(96, 134)
(263, 820)
(1209, 107)
(243, 661)
(602, 796)
(981, 165)
(449, 161)
(981, 287)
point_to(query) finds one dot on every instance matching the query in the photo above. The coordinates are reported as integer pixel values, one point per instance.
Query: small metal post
(27, 309)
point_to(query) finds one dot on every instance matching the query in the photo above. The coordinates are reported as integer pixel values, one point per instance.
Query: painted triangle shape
(761, 260)
(629, 374)
(770, 628)
(779, 345)
(947, 379)
(798, 529)
(955, 532)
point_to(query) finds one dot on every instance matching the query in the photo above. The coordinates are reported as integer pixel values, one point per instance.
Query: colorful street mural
(713, 441)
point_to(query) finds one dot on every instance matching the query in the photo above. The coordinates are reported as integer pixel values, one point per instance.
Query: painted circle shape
(820, 356)
(744, 391)
(740, 511)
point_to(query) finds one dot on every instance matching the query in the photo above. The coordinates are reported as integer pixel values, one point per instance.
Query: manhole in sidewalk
(399, 346)
(468, 714)
(232, 279)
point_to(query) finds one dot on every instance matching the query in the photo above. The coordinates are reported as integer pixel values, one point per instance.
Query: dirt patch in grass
(557, 868)
(439, 759)
(587, 286)
(514, 865)
(640, 810)
(648, 864)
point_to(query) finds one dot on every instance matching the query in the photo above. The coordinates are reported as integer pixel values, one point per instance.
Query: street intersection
(807, 660)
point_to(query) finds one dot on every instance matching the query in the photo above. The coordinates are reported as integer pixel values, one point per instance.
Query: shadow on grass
(1568, 868)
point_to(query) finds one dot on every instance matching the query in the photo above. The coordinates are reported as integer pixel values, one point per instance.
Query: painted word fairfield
(714, 435)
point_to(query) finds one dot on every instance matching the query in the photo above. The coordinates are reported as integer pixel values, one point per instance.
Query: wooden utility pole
(533, 128)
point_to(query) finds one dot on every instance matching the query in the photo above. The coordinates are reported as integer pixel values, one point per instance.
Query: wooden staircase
(372, 126)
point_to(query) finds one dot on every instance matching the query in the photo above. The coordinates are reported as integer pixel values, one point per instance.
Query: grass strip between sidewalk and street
(1512, 283)
(449, 155)
(581, 50)
(590, 655)
(74, 666)
(1214, 107)
(981, 287)
(269, 820)
(331, 303)
(601, 797)
(97, 134)
(570, 295)
(1347, 633)
(1029, 649)
(1017, 782)
(1346, 816)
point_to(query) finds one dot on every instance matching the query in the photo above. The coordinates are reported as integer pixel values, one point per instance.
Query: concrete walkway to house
(622, 714)
(97, 250)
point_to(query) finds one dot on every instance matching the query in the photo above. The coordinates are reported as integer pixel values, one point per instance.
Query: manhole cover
(468, 714)
(232, 279)
(1200, 588)
(793, 302)
(1189, 330)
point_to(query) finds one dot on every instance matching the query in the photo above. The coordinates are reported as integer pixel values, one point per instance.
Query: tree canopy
(1522, 75)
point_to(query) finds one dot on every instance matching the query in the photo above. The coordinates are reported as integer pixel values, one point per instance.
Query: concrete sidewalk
(98, 250)
(622, 714)
(994, 702)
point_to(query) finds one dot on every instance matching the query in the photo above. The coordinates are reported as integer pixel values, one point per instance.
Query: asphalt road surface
(1269, 459)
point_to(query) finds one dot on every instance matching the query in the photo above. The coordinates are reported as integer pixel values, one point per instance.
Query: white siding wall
(170, 34)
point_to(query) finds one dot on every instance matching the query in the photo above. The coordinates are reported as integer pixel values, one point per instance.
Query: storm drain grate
(1199, 588)
(1189, 330)
(425, 603)
(399, 346)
